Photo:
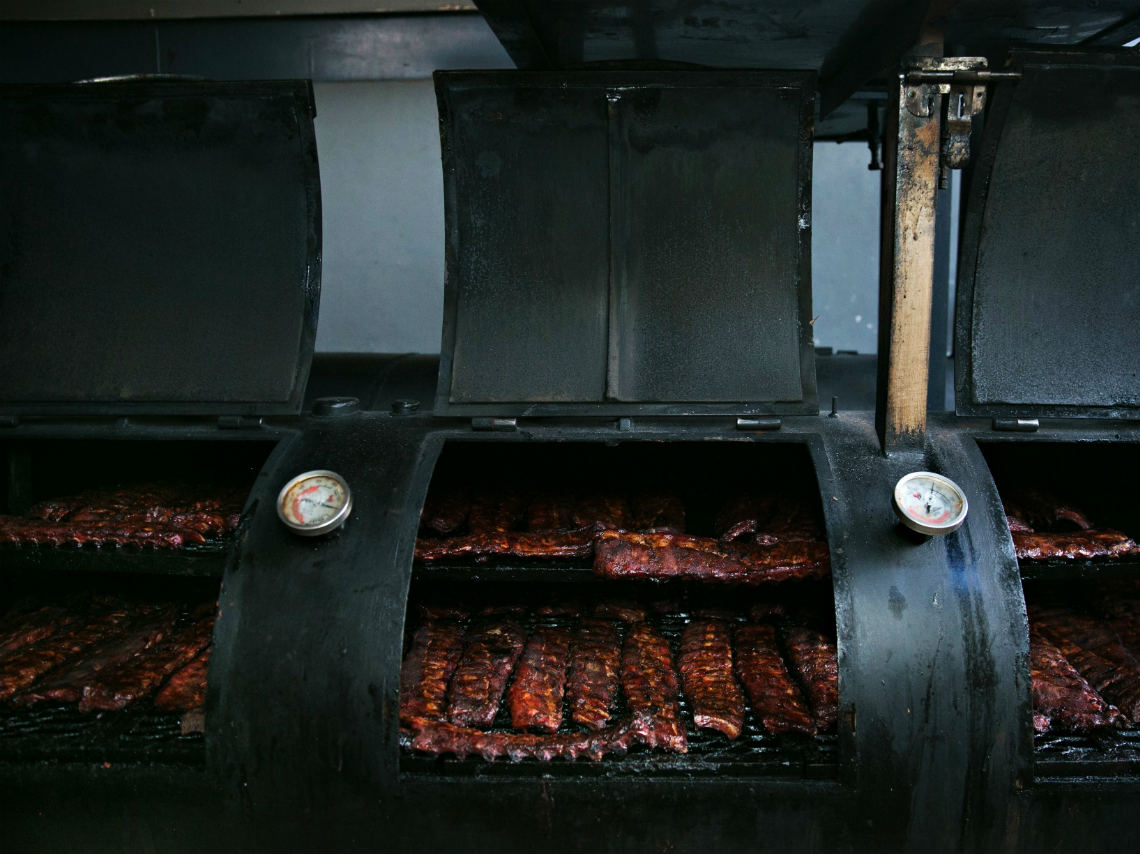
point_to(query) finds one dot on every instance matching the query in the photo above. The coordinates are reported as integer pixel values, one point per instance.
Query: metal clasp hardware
(961, 84)
(505, 425)
(1017, 425)
(239, 422)
(768, 423)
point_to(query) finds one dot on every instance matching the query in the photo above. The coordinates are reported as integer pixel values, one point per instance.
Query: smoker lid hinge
(239, 422)
(1016, 425)
(961, 83)
(755, 424)
(503, 425)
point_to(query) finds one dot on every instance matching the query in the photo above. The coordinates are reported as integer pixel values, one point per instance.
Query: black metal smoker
(561, 353)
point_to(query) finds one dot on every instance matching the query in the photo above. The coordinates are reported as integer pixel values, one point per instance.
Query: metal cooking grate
(62, 733)
(754, 753)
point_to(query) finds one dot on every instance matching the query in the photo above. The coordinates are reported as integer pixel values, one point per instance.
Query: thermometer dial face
(314, 503)
(930, 503)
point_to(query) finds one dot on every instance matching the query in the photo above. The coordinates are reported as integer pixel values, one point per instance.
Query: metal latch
(1017, 425)
(764, 423)
(502, 425)
(239, 422)
(961, 81)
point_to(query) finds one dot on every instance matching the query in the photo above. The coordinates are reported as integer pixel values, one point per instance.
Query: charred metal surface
(661, 181)
(1049, 279)
(200, 222)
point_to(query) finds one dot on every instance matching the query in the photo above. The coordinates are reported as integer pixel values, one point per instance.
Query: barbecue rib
(594, 678)
(23, 668)
(1077, 545)
(705, 661)
(494, 513)
(622, 554)
(67, 684)
(1093, 648)
(814, 662)
(578, 542)
(26, 629)
(775, 698)
(651, 689)
(614, 609)
(535, 696)
(440, 737)
(185, 690)
(1040, 511)
(115, 687)
(480, 678)
(1061, 696)
(427, 669)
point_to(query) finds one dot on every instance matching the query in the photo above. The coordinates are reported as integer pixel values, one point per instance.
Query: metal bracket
(1016, 425)
(499, 425)
(9, 420)
(239, 422)
(960, 83)
(755, 424)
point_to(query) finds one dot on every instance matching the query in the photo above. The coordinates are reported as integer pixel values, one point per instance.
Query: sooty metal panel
(526, 199)
(159, 247)
(1049, 310)
(706, 246)
(627, 242)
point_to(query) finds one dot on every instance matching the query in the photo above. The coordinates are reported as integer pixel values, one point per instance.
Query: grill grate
(754, 753)
(62, 733)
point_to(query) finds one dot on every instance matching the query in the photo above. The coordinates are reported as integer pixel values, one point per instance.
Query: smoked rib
(115, 687)
(594, 673)
(578, 542)
(1077, 545)
(651, 689)
(27, 629)
(489, 656)
(774, 696)
(815, 663)
(658, 511)
(23, 668)
(185, 690)
(428, 667)
(625, 554)
(1061, 696)
(441, 737)
(445, 512)
(536, 694)
(67, 684)
(1093, 648)
(705, 662)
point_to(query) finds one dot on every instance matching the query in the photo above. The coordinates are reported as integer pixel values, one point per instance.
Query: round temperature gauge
(314, 503)
(930, 503)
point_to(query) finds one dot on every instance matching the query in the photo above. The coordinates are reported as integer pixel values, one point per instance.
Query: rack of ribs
(705, 660)
(1093, 648)
(427, 669)
(489, 656)
(594, 676)
(651, 689)
(815, 663)
(1061, 696)
(536, 694)
(775, 698)
(624, 554)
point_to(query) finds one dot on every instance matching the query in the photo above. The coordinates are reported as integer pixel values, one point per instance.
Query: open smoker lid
(1049, 275)
(159, 247)
(627, 243)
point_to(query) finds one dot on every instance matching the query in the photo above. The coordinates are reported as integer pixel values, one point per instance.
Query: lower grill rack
(755, 752)
(59, 732)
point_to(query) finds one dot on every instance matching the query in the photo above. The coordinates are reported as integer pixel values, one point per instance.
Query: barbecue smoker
(571, 389)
